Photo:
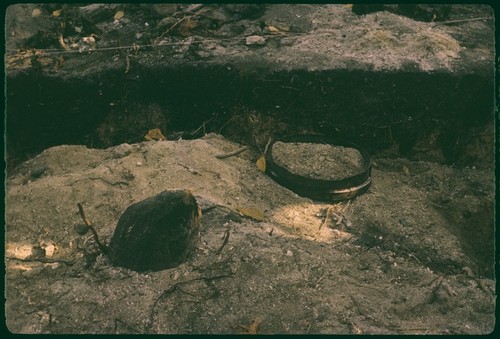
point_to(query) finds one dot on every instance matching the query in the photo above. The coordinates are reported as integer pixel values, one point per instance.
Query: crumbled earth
(318, 161)
(262, 37)
(412, 255)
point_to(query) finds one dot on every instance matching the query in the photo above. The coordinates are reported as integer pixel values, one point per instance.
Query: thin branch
(104, 249)
(461, 20)
(231, 154)
(43, 260)
(127, 63)
(327, 219)
(224, 241)
(203, 126)
(174, 288)
(267, 145)
(186, 18)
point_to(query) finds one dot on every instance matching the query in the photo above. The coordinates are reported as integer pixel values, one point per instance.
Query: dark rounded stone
(81, 229)
(157, 233)
(38, 171)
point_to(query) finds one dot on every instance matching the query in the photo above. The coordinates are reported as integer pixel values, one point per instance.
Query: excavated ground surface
(415, 254)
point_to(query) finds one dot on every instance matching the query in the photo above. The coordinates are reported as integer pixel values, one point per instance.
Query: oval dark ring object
(320, 189)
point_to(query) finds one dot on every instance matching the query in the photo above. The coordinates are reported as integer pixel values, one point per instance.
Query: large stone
(157, 233)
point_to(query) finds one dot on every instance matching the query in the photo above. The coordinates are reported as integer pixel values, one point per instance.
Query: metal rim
(331, 190)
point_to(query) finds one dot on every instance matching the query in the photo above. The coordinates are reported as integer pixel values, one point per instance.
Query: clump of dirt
(413, 255)
(398, 259)
(318, 161)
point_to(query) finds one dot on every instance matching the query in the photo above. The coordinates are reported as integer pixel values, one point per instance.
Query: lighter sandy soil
(412, 255)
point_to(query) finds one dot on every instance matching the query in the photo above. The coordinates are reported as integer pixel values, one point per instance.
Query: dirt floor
(412, 255)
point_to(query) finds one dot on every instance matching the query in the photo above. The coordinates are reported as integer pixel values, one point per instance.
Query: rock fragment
(156, 233)
(255, 40)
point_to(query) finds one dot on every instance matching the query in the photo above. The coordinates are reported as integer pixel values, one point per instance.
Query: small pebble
(289, 253)
(122, 150)
(49, 250)
(38, 171)
(255, 40)
(139, 163)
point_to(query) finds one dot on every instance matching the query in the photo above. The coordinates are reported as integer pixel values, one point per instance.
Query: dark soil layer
(439, 117)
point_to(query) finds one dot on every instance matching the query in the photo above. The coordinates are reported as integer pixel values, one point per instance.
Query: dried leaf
(155, 134)
(348, 6)
(57, 13)
(273, 29)
(62, 43)
(253, 328)
(190, 24)
(278, 29)
(251, 212)
(261, 164)
(187, 26)
(36, 12)
(119, 15)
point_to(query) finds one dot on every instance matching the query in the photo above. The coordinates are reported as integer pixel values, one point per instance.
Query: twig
(189, 17)
(327, 219)
(163, 294)
(366, 250)
(346, 206)
(104, 180)
(104, 249)
(176, 287)
(203, 126)
(433, 203)
(233, 153)
(127, 326)
(175, 25)
(225, 124)
(225, 240)
(338, 217)
(461, 20)
(127, 62)
(192, 170)
(267, 145)
(43, 260)
(358, 307)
